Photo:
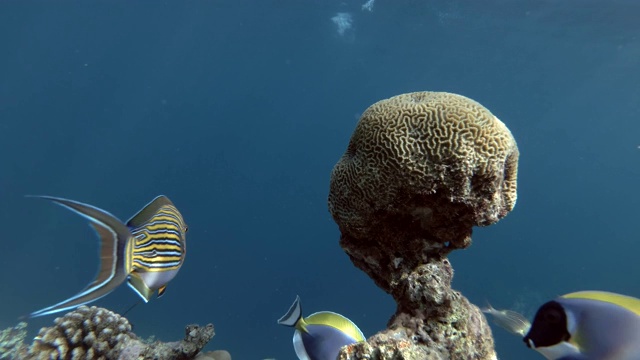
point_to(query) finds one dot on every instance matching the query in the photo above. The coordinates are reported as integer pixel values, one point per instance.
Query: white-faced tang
(147, 251)
(321, 335)
(587, 325)
(584, 325)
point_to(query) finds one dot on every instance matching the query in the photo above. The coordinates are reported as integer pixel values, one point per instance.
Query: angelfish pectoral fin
(113, 236)
(137, 284)
(162, 290)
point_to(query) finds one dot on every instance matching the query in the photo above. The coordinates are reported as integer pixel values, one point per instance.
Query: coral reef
(196, 338)
(87, 332)
(439, 159)
(12, 341)
(97, 333)
(420, 170)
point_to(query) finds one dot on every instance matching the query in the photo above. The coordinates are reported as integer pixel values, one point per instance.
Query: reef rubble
(420, 171)
(97, 333)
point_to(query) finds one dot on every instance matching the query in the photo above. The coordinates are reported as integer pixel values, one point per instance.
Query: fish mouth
(530, 343)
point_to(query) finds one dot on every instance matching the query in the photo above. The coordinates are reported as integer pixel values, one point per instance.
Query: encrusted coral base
(432, 320)
(395, 344)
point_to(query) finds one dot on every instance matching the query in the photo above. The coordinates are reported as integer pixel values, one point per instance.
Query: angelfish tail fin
(112, 271)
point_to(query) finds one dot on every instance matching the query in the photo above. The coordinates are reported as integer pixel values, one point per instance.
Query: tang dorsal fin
(148, 212)
(630, 303)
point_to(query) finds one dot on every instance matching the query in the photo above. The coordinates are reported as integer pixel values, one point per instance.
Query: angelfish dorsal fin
(143, 216)
(293, 314)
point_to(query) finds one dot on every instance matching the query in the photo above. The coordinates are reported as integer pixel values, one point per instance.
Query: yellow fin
(337, 321)
(630, 303)
(301, 325)
(162, 289)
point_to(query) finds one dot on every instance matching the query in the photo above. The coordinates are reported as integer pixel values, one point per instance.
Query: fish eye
(553, 316)
(186, 228)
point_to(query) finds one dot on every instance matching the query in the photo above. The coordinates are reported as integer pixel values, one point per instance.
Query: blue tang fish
(584, 325)
(147, 251)
(321, 335)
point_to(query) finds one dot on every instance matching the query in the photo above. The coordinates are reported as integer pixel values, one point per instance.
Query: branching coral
(86, 333)
(11, 341)
(94, 333)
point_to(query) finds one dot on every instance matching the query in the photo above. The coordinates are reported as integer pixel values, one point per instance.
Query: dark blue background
(238, 110)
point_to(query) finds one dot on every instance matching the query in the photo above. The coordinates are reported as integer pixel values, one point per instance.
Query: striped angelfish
(147, 251)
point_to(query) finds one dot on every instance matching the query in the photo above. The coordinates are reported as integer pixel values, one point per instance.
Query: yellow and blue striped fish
(147, 251)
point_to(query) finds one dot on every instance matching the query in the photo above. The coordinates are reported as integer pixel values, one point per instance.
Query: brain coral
(425, 161)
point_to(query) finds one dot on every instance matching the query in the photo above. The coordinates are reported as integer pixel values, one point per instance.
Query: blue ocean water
(238, 110)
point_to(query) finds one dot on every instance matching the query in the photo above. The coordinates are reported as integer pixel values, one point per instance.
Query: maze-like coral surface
(421, 144)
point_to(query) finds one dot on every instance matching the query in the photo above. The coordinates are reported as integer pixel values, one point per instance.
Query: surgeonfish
(321, 335)
(147, 251)
(509, 320)
(585, 325)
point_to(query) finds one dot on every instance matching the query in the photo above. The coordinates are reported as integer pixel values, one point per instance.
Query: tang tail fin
(512, 321)
(293, 314)
(112, 270)
(488, 308)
